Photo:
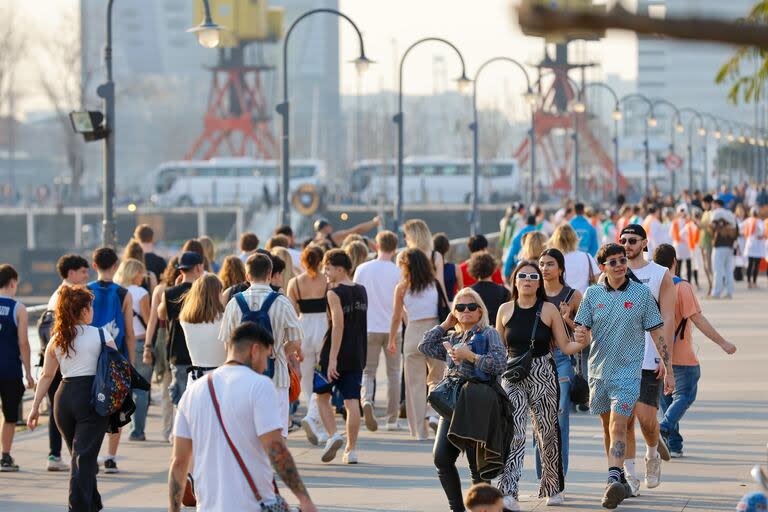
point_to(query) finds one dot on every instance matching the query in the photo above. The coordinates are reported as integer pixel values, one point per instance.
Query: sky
(481, 29)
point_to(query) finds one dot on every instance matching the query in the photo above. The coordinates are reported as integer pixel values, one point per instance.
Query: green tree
(747, 69)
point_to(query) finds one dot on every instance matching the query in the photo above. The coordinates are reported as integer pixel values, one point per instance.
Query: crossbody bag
(518, 368)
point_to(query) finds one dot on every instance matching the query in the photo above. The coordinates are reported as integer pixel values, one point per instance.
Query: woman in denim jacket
(476, 352)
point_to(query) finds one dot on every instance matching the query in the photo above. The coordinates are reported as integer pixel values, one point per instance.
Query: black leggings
(83, 431)
(753, 268)
(54, 436)
(446, 454)
(679, 268)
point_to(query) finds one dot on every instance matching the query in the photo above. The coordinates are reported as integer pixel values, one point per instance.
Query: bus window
(165, 179)
(303, 171)
(429, 170)
(412, 170)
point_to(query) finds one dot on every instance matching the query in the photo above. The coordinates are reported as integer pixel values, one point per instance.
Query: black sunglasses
(472, 306)
(630, 241)
(617, 261)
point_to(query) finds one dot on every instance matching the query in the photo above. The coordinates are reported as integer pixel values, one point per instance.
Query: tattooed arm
(285, 467)
(666, 359)
(177, 475)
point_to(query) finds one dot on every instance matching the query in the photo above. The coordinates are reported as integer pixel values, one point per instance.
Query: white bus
(435, 180)
(227, 181)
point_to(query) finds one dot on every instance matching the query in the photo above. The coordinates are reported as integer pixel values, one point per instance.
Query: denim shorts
(618, 395)
(348, 385)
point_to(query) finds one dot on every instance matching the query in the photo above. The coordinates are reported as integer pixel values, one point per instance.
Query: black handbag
(579, 387)
(445, 394)
(443, 309)
(519, 367)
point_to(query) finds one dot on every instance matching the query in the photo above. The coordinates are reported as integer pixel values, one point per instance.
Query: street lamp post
(649, 121)
(283, 109)
(399, 121)
(530, 99)
(617, 115)
(106, 91)
(674, 127)
(209, 36)
(717, 134)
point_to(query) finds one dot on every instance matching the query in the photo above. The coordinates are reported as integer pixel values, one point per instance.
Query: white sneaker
(433, 422)
(350, 457)
(56, 464)
(331, 447)
(511, 504)
(370, 417)
(392, 426)
(557, 499)
(309, 428)
(634, 484)
(653, 472)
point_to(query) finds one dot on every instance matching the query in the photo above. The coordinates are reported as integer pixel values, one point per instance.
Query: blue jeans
(564, 376)
(141, 398)
(178, 381)
(722, 266)
(673, 407)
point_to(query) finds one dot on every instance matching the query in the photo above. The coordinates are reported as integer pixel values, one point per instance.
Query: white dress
(753, 231)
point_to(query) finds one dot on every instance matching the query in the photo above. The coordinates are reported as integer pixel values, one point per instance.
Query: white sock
(629, 467)
(651, 452)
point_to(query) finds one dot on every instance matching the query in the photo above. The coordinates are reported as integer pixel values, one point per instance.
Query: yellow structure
(567, 5)
(245, 20)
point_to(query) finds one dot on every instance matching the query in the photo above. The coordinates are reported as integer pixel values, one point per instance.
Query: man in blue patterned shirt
(617, 313)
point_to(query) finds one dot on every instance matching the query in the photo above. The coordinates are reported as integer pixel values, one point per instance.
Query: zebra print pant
(540, 393)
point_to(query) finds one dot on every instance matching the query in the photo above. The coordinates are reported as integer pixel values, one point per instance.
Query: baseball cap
(188, 260)
(682, 209)
(634, 229)
(320, 224)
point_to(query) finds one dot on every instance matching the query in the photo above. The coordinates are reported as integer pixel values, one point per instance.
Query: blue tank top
(10, 355)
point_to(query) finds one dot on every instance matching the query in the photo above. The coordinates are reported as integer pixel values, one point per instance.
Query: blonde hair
(534, 244)
(351, 238)
(418, 235)
(358, 253)
(128, 270)
(134, 251)
(208, 248)
(202, 303)
(285, 255)
(564, 239)
(484, 322)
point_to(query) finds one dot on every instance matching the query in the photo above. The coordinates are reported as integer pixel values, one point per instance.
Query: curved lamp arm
(462, 79)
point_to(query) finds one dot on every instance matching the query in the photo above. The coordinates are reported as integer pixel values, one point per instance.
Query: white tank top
(651, 276)
(422, 305)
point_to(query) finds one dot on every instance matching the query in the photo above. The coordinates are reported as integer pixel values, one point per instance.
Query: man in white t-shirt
(380, 277)
(250, 414)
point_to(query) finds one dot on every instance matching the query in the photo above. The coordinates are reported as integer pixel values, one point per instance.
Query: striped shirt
(285, 326)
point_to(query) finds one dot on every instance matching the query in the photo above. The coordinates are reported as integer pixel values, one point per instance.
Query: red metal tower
(552, 119)
(237, 118)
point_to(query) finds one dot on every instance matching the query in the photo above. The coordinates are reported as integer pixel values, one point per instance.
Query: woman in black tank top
(529, 322)
(567, 300)
(307, 293)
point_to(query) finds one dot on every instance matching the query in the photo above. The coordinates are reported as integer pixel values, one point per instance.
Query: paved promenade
(726, 433)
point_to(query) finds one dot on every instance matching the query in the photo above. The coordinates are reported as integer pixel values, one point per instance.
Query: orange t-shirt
(687, 305)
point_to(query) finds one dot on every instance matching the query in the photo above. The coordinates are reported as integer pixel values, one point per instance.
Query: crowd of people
(572, 299)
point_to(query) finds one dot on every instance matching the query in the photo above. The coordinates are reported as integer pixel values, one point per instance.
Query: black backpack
(44, 328)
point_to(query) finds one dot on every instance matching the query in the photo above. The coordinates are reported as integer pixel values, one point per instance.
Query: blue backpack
(261, 318)
(112, 382)
(108, 311)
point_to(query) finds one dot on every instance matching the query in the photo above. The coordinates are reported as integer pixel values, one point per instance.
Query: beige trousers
(421, 373)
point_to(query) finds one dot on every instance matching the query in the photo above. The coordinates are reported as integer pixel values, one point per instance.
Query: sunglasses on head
(617, 261)
(472, 306)
(630, 241)
(530, 276)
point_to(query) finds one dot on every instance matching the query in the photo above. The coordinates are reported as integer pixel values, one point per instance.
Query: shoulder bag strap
(569, 296)
(239, 459)
(536, 324)
(272, 297)
(591, 270)
(101, 337)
